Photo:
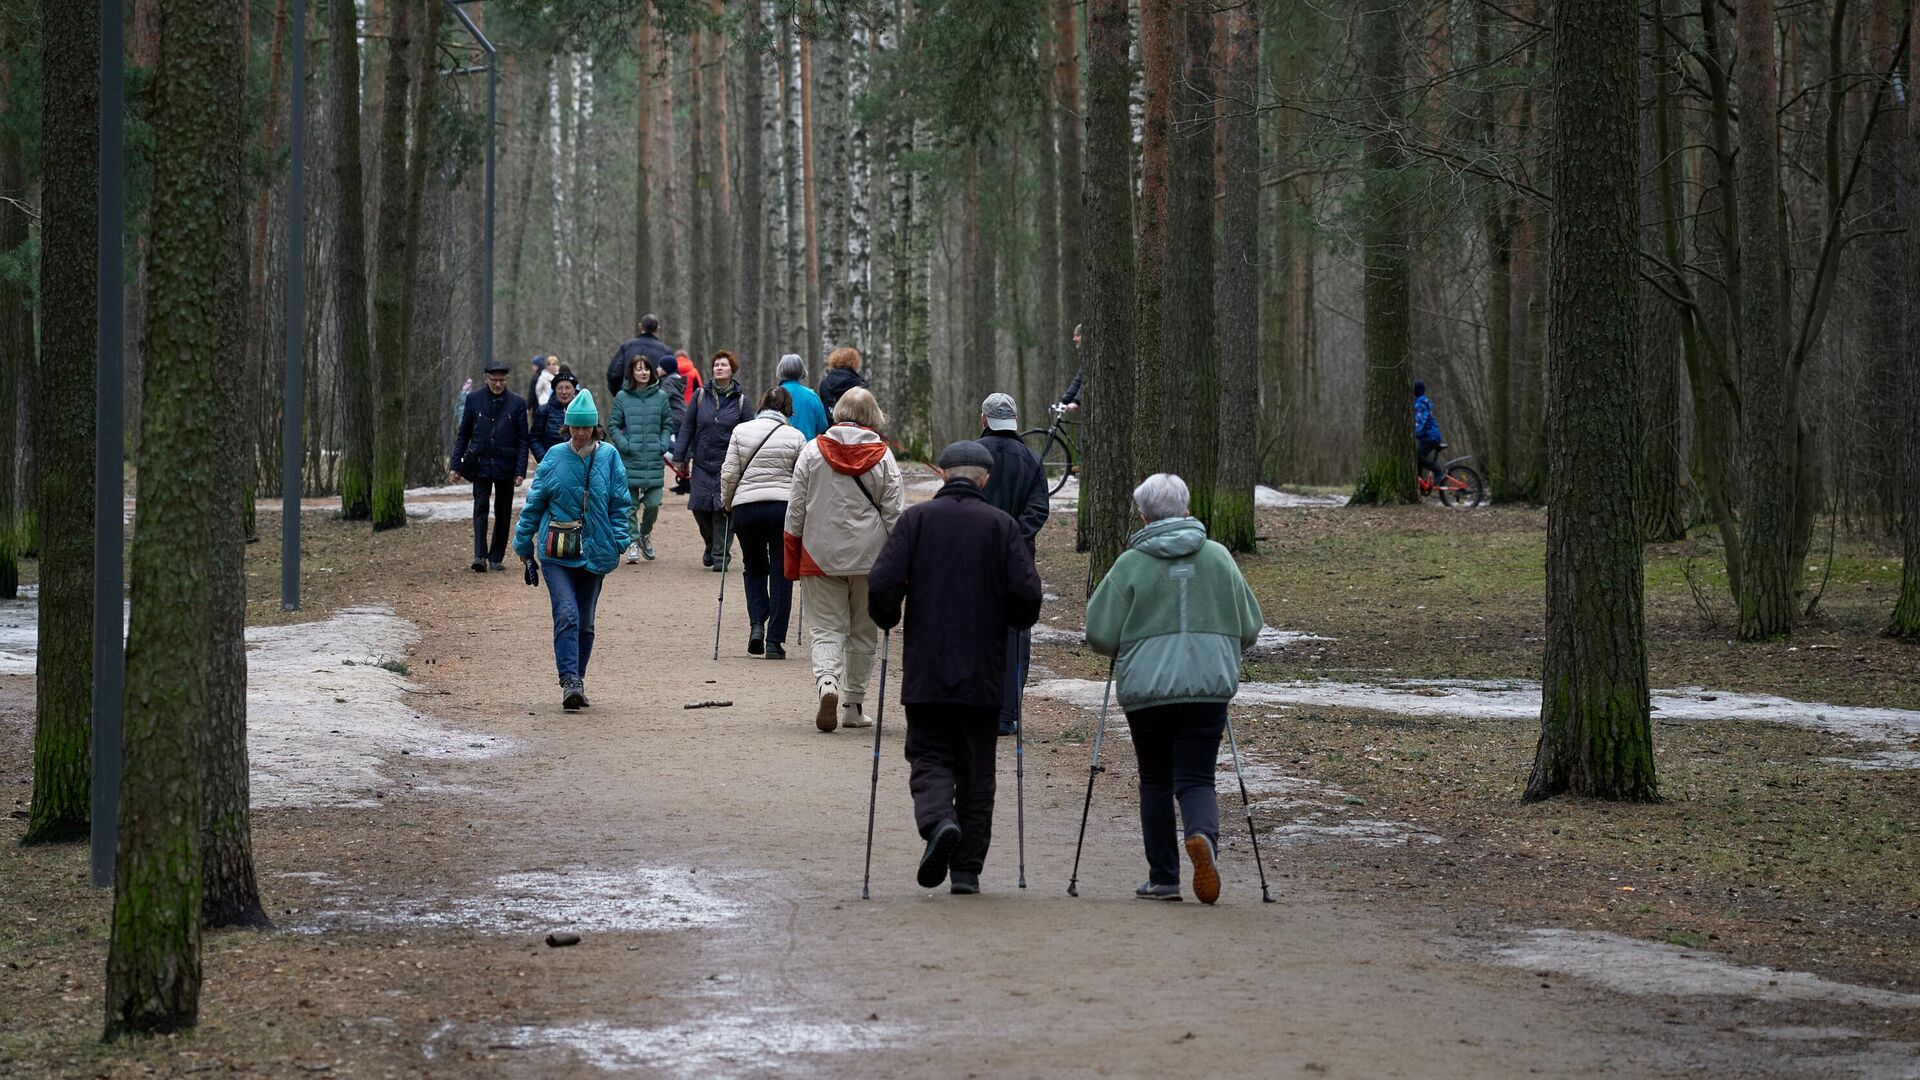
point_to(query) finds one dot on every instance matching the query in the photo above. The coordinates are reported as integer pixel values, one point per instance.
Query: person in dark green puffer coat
(642, 428)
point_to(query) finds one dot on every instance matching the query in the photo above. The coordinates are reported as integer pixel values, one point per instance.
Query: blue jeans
(1176, 746)
(575, 593)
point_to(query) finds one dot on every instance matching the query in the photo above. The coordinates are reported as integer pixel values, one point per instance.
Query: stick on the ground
(873, 793)
(709, 704)
(1247, 809)
(1093, 770)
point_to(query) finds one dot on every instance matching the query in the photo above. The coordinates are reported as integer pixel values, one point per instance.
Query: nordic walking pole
(1247, 809)
(726, 548)
(1019, 761)
(873, 793)
(1093, 770)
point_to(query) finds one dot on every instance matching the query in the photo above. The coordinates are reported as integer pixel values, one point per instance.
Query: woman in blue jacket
(578, 509)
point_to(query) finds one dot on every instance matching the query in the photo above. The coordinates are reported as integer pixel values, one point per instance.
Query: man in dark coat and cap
(962, 570)
(491, 452)
(1020, 489)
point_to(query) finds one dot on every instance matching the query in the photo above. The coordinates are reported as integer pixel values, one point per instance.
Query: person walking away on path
(1175, 615)
(809, 414)
(843, 374)
(490, 450)
(1019, 490)
(964, 571)
(543, 382)
(1428, 441)
(700, 445)
(577, 508)
(549, 423)
(642, 430)
(646, 343)
(846, 499)
(756, 481)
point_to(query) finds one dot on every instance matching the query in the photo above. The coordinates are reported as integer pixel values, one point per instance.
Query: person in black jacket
(1020, 490)
(961, 568)
(648, 344)
(491, 451)
(549, 421)
(843, 374)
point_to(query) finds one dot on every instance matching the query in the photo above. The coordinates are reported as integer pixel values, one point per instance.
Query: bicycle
(1050, 445)
(1461, 486)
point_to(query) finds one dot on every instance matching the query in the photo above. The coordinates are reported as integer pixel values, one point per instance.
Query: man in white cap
(1020, 490)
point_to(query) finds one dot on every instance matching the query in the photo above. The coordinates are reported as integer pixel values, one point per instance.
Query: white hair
(791, 367)
(1162, 495)
(977, 474)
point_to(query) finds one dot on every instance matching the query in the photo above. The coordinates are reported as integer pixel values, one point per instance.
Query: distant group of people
(808, 485)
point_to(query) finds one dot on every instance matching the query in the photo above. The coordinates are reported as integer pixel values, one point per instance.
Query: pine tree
(1906, 611)
(1188, 329)
(16, 316)
(392, 273)
(1386, 463)
(1110, 275)
(350, 268)
(1151, 414)
(1237, 288)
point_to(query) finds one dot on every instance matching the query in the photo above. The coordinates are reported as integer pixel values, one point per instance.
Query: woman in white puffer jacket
(755, 479)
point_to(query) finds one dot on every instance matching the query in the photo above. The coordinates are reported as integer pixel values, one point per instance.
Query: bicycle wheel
(1462, 488)
(1055, 459)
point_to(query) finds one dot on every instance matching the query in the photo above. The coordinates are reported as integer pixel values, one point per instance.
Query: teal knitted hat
(580, 411)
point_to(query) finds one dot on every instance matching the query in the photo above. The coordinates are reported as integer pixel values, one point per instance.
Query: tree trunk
(750, 306)
(721, 212)
(1047, 299)
(16, 319)
(1595, 736)
(813, 339)
(1884, 300)
(1111, 313)
(1073, 216)
(856, 277)
(153, 960)
(918, 428)
(518, 216)
(350, 270)
(1238, 286)
(1148, 435)
(1768, 428)
(643, 225)
(1188, 330)
(794, 315)
(1386, 455)
(230, 896)
(392, 272)
(1663, 490)
(64, 421)
(1906, 610)
(830, 119)
(672, 284)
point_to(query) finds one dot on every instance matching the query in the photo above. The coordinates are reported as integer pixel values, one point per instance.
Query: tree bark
(1386, 455)
(1768, 429)
(392, 272)
(1111, 312)
(1906, 610)
(153, 959)
(1595, 736)
(1046, 213)
(350, 270)
(1149, 438)
(63, 422)
(1664, 492)
(1188, 329)
(750, 306)
(815, 343)
(1237, 286)
(1073, 218)
(643, 226)
(16, 319)
(721, 212)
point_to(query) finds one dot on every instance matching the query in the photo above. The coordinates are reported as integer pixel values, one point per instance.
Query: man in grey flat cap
(962, 570)
(1020, 489)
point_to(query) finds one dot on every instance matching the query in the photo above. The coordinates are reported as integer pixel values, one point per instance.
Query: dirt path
(712, 861)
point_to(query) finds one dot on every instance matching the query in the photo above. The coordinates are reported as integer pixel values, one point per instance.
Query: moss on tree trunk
(393, 268)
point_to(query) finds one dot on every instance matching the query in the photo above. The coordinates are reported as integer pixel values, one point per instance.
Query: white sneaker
(851, 716)
(633, 554)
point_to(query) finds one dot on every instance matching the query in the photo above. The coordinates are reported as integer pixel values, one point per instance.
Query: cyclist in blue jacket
(1426, 432)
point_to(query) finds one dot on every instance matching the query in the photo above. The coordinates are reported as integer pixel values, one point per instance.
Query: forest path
(712, 860)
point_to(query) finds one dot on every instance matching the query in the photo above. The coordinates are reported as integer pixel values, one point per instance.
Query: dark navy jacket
(1018, 485)
(656, 352)
(836, 382)
(493, 431)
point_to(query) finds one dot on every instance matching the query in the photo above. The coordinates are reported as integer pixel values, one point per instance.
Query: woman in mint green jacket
(642, 428)
(1175, 615)
(579, 491)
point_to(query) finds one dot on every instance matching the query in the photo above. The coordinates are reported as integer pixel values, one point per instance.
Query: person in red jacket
(680, 388)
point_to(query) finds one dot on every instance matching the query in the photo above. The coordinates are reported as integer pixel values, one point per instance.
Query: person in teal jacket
(809, 416)
(1175, 615)
(579, 489)
(642, 429)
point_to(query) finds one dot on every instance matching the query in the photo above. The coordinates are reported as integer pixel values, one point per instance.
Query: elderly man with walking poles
(1019, 489)
(961, 568)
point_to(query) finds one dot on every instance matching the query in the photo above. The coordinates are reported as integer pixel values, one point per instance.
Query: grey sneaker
(573, 693)
(646, 548)
(1206, 876)
(1150, 891)
(633, 553)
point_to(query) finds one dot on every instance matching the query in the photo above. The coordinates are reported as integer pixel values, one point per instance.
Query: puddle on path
(1631, 966)
(582, 899)
(1520, 700)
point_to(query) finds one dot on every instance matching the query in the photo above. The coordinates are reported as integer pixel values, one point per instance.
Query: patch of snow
(20, 631)
(1273, 640)
(1352, 831)
(1520, 700)
(583, 899)
(1267, 498)
(1632, 966)
(722, 1042)
(1054, 635)
(1067, 498)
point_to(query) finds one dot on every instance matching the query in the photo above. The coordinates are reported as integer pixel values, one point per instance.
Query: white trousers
(843, 634)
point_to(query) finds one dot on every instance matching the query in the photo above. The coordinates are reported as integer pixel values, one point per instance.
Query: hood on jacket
(1170, 538)
(771, 414)
(851, 449)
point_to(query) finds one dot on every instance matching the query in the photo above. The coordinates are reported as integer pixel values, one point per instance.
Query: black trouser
(1427, 454)
(1019, 658)
(713, 529)
(1176, 747)
(761, 530)
(950, 750)
(501, 494)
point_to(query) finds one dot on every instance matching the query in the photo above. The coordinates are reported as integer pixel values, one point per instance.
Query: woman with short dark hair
(755, 482)
(701, 445)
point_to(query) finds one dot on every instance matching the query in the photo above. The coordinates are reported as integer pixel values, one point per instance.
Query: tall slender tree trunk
(1047, 286)
(1386, 454)
(750, 306)
(350, 269)
(1663, 495)
(815, 342)
(1906, 610)
(16, 318)
(1886, 315)
(1111, 276)
(721, 211)
(643, 225)
(392, 272)
(794, 332)
(153, 959)
(1595, 736)
(1188, 327)
(1148, 436)
(1237, 286)
(63, 424)
(1073, 216)
(856, 278)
